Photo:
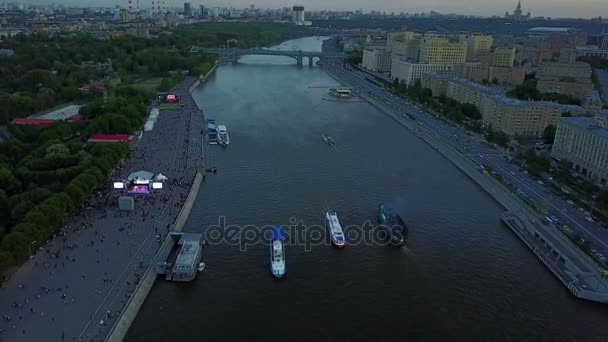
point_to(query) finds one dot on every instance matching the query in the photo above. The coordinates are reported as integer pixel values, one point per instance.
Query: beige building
(511, 116)
(376, 60)
(584, 142)
(406, 51)
(478, 72)
(441, 51)
(503, 57)
(477, 45)
(573, 79)
(409, 72)
(437, 82)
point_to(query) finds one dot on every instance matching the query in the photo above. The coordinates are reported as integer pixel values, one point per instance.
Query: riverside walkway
(74, 288)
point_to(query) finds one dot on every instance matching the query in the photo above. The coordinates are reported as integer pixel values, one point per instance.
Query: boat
(278, 265)
(201, 266)
(212, 131)
(340, 92)
(392, 224)
(328, 140)
(335, 230)
(222, 135)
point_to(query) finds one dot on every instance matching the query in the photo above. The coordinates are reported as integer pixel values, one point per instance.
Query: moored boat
(328, 140)
(222, 135)
(335, 229)
(278, 266)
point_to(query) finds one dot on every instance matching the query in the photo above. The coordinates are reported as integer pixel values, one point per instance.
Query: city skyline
(546, 8)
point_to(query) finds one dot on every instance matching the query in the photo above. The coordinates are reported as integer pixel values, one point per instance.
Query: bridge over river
(298, 55)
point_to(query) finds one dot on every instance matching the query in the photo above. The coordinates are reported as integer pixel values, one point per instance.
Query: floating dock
(179, 259)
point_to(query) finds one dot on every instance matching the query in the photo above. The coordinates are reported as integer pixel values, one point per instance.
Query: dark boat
(392, 224)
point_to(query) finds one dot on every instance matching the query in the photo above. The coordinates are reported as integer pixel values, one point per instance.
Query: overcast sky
(547, 8)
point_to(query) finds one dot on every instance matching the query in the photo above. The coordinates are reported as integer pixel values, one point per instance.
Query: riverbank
(75, 287)
(123, 323)
(584, 276)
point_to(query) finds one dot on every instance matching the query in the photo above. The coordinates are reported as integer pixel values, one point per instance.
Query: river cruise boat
(222, 135)
(394, 226)
(212, 132)
(340, 92)
(335, 229)
(278, 266)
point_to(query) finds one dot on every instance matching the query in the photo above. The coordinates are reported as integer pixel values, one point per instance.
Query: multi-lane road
(483, 153)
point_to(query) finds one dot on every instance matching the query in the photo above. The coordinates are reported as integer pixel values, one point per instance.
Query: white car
(588, 218)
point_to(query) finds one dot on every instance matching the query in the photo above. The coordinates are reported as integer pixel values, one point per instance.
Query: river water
(462, 276)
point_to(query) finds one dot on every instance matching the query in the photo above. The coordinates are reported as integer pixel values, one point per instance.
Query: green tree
(164, 85)
(549, 134)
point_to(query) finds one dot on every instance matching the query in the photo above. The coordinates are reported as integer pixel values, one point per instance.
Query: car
(594, 251)
(570, 202)
(512, 173)
(589, 219)
(540, 182)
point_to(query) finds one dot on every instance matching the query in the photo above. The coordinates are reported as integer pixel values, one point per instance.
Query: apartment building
(511, 116)
(477, 45)
(376, 60)
(410, 72)
(441, 51)
(573, 79)
(584, 142)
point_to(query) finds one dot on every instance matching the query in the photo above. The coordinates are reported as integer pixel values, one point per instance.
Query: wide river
(463, 276)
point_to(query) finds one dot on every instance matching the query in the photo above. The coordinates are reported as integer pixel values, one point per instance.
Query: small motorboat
(201, 266)
(328, 140)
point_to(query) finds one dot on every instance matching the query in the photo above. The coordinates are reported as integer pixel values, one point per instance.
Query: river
(462, 276)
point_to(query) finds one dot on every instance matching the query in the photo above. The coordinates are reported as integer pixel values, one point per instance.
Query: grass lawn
(168, 106)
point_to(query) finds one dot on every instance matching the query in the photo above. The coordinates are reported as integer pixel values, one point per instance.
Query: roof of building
(62, 113)
(32, 121)
(109, 137)
(513, 102)
(191, 245)
(545, 29)
(587, 123)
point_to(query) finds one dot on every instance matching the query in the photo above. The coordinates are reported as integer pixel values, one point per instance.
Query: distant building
(478, 45)
(437, 82)
(511, 116)
(298, 17)
(591, 51)
(503, 57)
(187, 9)
(517, 13)
(409, 72)
(572, 79)
(584, 142)
(592, 100)
(377, 60)
(557, 38)
(441, 51)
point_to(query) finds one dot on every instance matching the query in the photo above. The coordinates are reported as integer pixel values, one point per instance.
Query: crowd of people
(75, 287)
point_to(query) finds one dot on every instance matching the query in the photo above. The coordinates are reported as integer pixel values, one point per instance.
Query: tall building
(478, 45)
(441, 51)
(503, 57)
(584, 142)
(187, 9)
(297, 14)
(518, 13)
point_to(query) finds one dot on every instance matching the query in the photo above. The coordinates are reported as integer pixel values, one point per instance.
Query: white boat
(278, 266)
(335, 229)
(222, 135)
(340, 92)
(201, 266)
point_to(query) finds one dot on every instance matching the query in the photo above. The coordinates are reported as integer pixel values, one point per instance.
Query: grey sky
(551, 8)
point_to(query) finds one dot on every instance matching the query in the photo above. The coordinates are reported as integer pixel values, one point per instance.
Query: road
(476, 148)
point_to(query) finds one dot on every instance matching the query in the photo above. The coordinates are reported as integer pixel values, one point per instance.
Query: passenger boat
(211, 131)
(328, 140)
(222, 135)
(335, 229)
(340, 92)
(392, 224)
(278, 266)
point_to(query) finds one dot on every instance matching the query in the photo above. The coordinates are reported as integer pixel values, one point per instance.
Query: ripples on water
(463, 276)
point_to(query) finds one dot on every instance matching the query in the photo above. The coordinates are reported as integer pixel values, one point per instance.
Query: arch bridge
(297, 55)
